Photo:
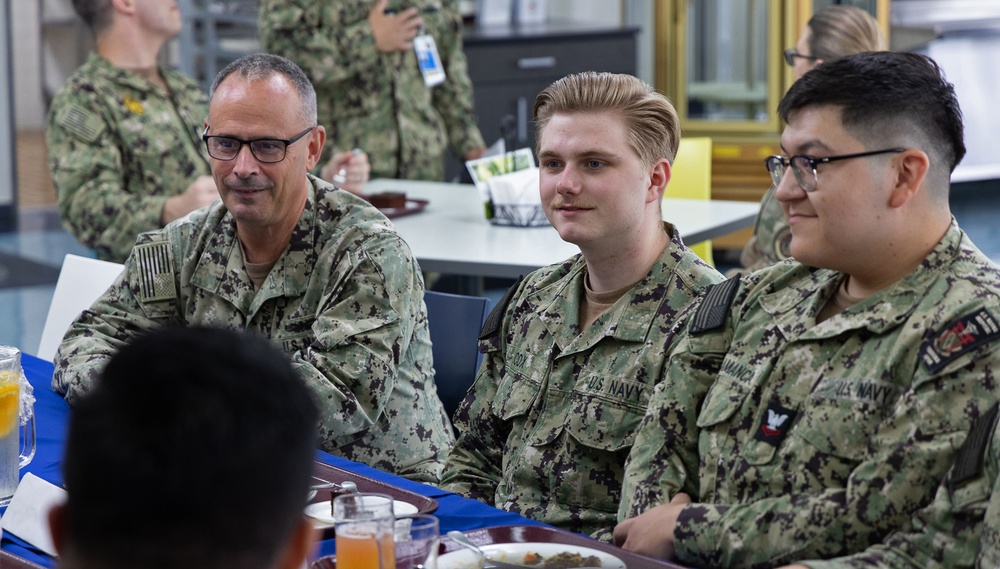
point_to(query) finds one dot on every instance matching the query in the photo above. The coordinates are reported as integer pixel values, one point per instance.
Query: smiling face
(595, 189)
(841, 222)
(263, 195)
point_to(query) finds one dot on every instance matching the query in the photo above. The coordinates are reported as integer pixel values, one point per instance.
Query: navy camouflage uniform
(802, 440)
(546, 427)
(344, 301)
(960, 528)
(119, 146)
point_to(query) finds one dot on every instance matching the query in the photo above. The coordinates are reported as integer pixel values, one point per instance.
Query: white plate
(322, 515)
(515, 552)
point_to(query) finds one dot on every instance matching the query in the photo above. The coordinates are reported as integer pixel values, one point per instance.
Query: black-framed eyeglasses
(791, 55)
(805, 166)
(268, 150)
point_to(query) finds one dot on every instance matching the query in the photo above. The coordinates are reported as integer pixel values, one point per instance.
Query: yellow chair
(691, 178)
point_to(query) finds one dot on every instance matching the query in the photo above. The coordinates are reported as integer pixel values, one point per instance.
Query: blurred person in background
(834, 31)
(376, 80)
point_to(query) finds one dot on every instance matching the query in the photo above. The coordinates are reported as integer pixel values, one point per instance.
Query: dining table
(446, 228)
(484, 524)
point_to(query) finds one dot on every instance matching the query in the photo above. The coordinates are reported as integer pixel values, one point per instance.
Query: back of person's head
(194, 450)
(260, 66)
(653, 125)
(95, 13)
(887, 100)
(844, 30)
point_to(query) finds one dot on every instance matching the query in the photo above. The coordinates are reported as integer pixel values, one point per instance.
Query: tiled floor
(40, 238)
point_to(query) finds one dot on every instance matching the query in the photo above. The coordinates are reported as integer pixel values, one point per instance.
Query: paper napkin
(27, 516)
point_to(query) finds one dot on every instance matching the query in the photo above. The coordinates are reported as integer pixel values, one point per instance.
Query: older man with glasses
(811, 407)
(318, 271)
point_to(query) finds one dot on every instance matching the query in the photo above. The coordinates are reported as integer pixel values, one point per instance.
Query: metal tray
(325, 473)
(10, 561)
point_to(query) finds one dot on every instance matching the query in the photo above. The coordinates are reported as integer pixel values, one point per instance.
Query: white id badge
(429, 60)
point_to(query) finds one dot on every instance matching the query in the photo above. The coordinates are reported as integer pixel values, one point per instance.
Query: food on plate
(388, 200)
(563, 560)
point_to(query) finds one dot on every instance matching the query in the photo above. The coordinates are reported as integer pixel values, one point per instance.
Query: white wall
(598, 11)
(7, 147)
(25, 45)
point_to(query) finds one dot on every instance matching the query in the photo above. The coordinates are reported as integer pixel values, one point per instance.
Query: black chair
(455, 322)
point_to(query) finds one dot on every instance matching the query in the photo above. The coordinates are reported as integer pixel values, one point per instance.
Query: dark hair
(195, 450)
(259, 66)
(653, 126)
(95, 13)
(887, 99)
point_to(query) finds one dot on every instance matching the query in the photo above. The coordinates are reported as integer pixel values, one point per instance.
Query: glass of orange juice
(364, 527)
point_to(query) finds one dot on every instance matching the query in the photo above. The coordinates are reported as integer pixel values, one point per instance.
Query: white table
(452, 236)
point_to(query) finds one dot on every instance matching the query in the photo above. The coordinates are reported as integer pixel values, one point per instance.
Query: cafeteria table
(445, 227)
(52, 412)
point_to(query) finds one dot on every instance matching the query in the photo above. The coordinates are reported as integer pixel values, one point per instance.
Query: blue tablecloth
(51, 412)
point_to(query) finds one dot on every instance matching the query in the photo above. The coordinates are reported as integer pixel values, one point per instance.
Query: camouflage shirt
(771, 237)
(118, 147)
(802, 440)
(378, 101)
(545, 430)
(960, 528)
(344, 301)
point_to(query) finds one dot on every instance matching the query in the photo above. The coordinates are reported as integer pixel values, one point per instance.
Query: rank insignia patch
(958, 337)
(774, 424)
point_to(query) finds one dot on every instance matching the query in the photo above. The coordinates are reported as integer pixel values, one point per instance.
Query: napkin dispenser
(516, 200)
(508, 184)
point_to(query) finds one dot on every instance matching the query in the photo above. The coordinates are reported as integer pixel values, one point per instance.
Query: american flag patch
(156, 272)
(81, 122)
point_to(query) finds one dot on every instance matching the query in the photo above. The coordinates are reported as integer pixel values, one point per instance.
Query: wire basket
(519, 215)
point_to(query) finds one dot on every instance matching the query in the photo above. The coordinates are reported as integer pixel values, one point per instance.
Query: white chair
(81, 282)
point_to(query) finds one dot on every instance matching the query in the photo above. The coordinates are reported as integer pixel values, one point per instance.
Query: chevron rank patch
(958, 337)
(714, 307)
(156, 272)
(81, 122)
(969, 459)
(774, 425)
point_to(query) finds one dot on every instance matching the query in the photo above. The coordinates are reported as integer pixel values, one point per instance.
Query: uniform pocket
(515, 396)
(607, 419)
(834, 427)
(723, 399)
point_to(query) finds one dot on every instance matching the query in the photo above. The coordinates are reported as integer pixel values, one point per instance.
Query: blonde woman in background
(832, 32)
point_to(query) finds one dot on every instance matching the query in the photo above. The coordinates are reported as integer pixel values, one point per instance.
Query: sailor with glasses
(317, 270)
(813, 406)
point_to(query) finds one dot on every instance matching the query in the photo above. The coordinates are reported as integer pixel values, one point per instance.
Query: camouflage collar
(797, 302)
(628, 320)
(131, 79)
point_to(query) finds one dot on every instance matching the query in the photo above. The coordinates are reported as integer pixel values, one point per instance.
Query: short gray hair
(260, 66)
